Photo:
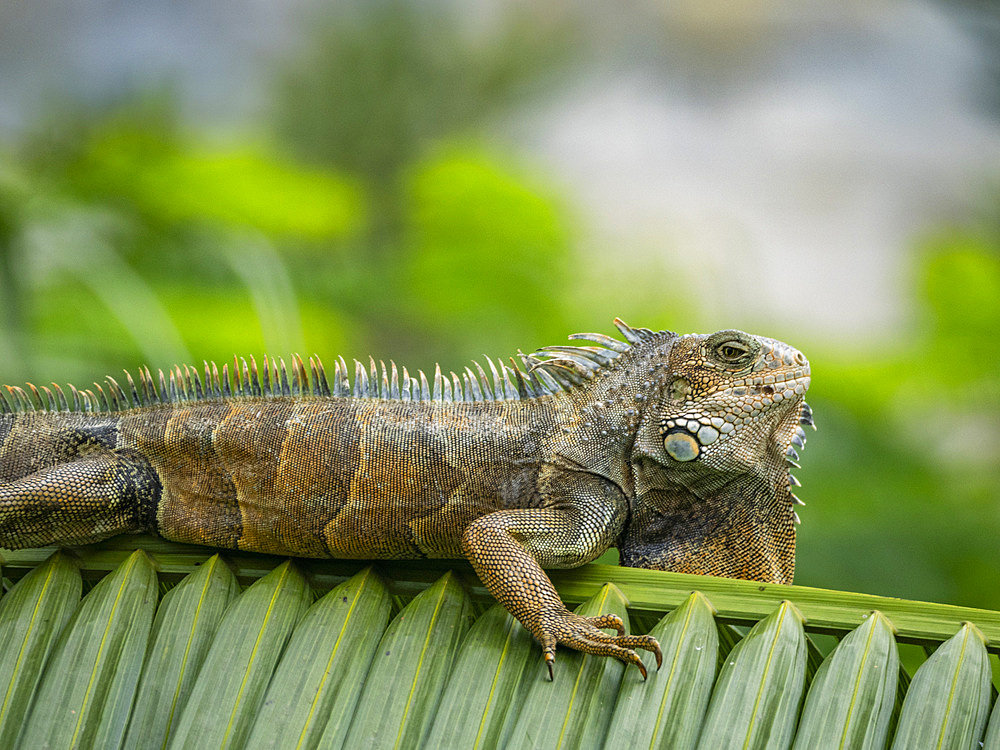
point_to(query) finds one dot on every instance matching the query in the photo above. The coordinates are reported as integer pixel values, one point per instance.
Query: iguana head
(712, 488)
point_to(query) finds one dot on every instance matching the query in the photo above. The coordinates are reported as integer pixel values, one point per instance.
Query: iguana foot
(586, 634)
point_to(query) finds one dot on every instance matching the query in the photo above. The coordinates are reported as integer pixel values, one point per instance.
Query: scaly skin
(672, 448)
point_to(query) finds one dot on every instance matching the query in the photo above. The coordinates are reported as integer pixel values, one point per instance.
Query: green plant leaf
(850, 702)
(747, 602)
(483, 682)
(32, 615)
(573, 710)
(992, 739)
(246, 647)
(592, 696)
(756, 700)
(948, 702)
(86, 693)
(667, 710)
(408, 673)
(322, 669)
(183, 629)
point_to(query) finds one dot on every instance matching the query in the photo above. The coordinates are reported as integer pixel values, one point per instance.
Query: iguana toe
(613, 622)
(585, 634)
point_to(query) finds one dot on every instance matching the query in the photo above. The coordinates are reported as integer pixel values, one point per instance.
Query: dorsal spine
(545, 372)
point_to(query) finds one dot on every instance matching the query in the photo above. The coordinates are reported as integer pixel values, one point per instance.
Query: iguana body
(672, 448)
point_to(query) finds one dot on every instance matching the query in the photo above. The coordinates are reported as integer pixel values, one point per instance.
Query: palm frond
(407, 654)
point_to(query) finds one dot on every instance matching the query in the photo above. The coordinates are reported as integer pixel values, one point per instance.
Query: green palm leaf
(229, 669)
(32, 616)
(316, 683)
(183, 631)
(574, 710)
(244, 652)
(851, 699)
(668, 710)
(497, 650)
(756, 698)
(88, 685)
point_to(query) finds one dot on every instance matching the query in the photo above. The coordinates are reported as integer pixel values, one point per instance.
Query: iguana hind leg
(505, 548)
(98, 495)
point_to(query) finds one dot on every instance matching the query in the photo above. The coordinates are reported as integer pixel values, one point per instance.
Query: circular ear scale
(681, 445)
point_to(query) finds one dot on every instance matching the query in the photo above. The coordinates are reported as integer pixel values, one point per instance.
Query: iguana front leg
(506, 549)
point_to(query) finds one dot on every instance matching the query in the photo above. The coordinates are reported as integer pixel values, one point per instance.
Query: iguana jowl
(673, 448)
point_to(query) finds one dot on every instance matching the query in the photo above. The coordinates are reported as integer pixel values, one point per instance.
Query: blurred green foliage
(902, 484)
(379, 83)
(373, 220)
(172, 182)
(499, 242)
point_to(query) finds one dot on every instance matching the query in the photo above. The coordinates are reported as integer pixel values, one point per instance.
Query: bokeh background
(433, 180)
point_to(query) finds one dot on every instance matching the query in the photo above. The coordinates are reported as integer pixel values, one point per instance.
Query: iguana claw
(585, 634)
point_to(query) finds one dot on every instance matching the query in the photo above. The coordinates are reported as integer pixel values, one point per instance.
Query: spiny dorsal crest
(549, 370)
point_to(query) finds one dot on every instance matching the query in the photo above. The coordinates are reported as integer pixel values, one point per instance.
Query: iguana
(673, 448)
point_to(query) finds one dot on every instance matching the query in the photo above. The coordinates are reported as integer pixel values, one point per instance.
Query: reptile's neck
(601, 418)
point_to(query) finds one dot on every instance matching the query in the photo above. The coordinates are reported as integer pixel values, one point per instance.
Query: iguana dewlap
(673, 448)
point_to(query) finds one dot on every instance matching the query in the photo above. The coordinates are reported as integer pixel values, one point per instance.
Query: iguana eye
(732, 351)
